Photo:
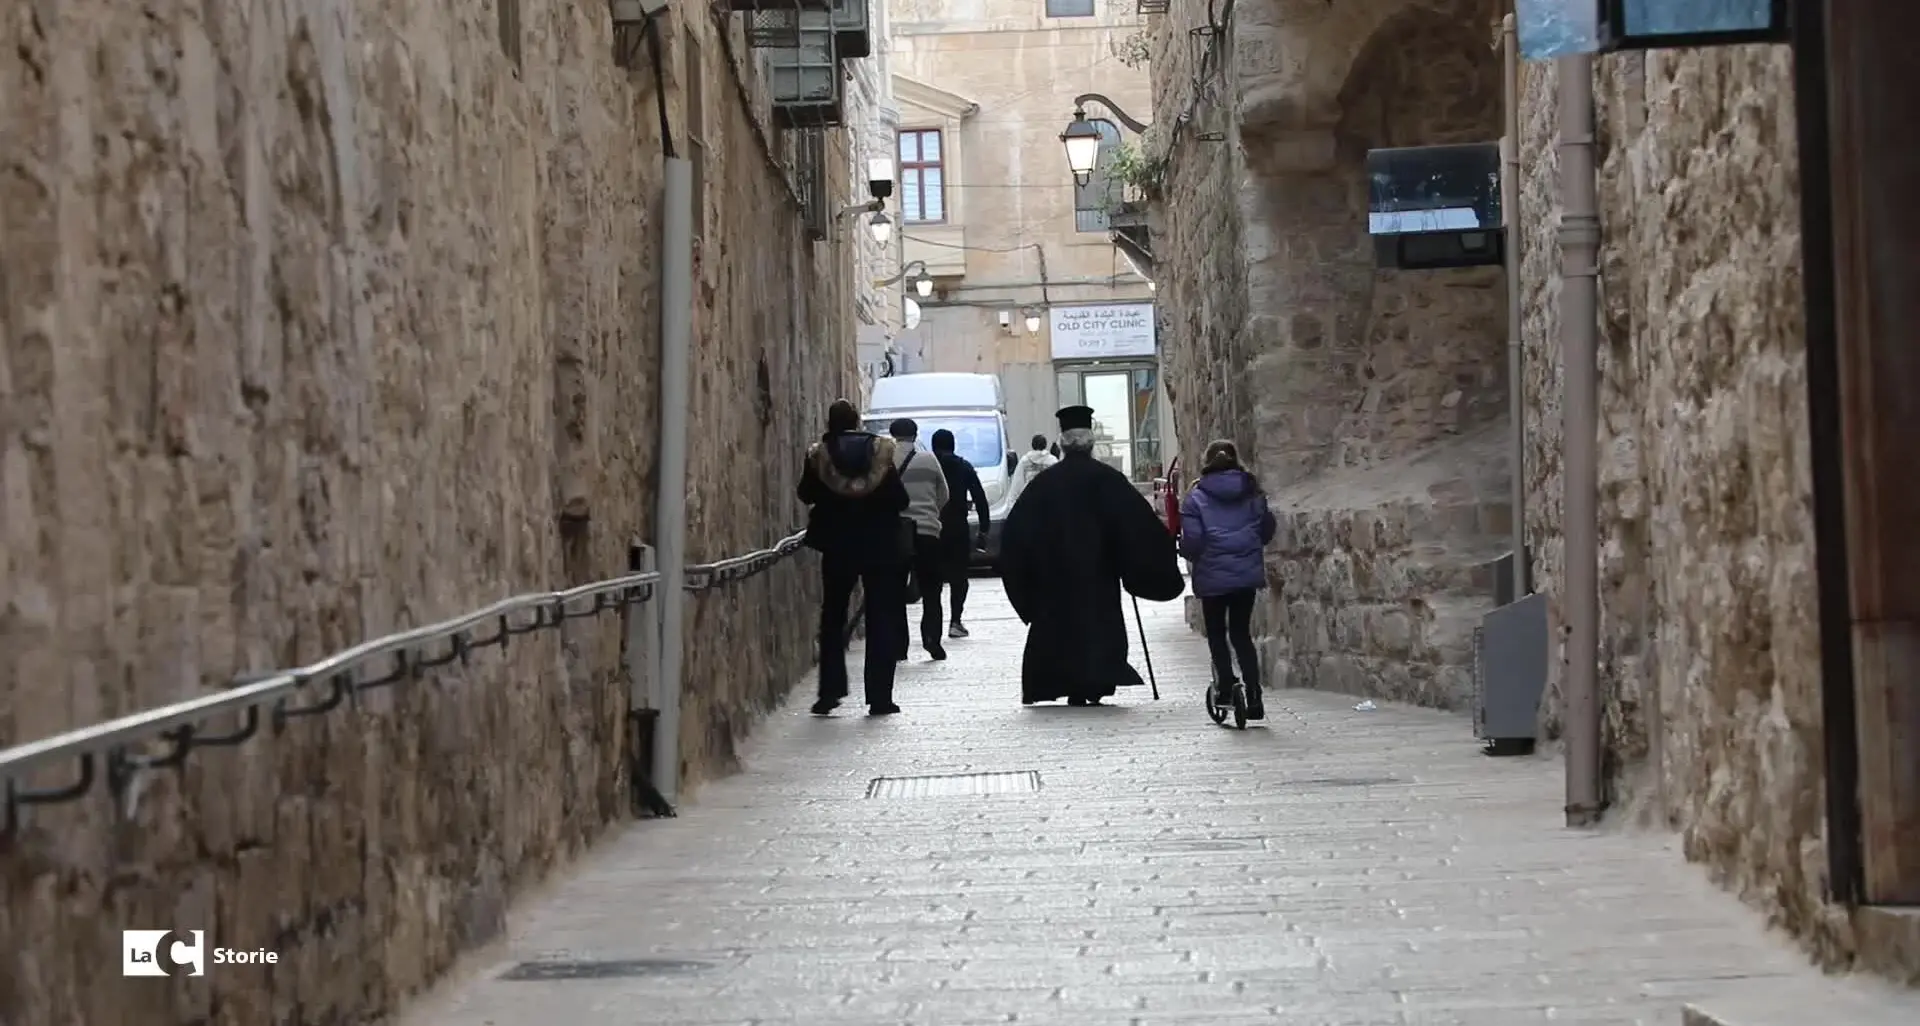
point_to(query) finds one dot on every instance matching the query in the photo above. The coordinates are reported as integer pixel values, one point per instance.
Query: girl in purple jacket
(1224, 524)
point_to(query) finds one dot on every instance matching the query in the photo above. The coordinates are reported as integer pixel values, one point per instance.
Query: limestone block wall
(1709, 640)
(1197, 245)
(319, 320)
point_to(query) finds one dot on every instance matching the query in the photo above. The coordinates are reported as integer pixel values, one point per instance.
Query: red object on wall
(1170, 497)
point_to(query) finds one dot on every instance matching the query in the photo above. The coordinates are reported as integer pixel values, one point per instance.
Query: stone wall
(320, 320)
(1202, 298)
(1336, 376)
(1709, 646)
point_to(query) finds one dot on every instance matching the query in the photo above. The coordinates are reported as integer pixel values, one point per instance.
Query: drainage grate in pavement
(954, 785)
(605, 969)
(1339, 782)
(1208, 844)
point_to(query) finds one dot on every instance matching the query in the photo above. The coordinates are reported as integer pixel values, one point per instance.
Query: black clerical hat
(1072, 417)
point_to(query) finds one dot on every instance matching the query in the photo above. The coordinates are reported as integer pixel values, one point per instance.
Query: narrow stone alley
(1331, 867)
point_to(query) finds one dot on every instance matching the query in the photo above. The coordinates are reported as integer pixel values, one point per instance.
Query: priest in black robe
(1080, 534)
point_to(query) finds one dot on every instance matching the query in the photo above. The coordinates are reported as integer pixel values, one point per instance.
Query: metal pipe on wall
(1579, 331)
(1516, 365)
(670, 516)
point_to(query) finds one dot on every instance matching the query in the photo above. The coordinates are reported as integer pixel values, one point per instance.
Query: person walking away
(1225, 523)
(1079, 535)
(856, 501)
(926, 485)
(956, 542)
(1032, 462)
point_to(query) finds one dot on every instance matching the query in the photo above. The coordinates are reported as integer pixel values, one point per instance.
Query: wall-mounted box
(1431, 207)
(852, 29)
(1560, 28)
(805, 80)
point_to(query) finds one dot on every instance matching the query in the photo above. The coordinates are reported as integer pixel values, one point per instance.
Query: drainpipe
(1579, 324)
(1516, 384)
(670, 516)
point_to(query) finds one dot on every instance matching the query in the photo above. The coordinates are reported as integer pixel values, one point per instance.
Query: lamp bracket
(1080, 111)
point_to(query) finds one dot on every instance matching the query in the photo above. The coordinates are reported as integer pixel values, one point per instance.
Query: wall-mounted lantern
(1082, 140)
(1430, 207)
(1561, 28)
(1033, 320)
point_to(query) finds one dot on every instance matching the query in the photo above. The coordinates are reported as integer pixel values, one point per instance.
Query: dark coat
(1225, 522)
(1079, 533)
(963, 491)
(850, 480)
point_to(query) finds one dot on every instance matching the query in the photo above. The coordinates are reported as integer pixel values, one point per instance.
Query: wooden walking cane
(1144, 650)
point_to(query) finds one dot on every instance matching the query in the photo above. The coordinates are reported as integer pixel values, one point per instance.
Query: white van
(973, 408)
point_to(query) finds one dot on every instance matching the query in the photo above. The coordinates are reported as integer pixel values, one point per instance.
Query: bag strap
(908, 462)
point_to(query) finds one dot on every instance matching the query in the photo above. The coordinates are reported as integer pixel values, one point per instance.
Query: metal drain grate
(954, 785)
(1208, 844)
(608, 969)
(1339, 782)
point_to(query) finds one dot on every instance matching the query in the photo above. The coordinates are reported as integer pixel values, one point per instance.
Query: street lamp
(1033, 321)
(881, 226)
(1083, 146)
(923, 285)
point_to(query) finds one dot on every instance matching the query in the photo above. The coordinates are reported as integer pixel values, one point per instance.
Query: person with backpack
(1225, 524)
(852, 486)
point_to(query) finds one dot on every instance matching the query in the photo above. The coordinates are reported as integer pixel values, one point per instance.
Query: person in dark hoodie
(956, 542)
(1225, 523)
(853, 486)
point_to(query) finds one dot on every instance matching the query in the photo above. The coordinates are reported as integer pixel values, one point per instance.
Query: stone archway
(1377, 395)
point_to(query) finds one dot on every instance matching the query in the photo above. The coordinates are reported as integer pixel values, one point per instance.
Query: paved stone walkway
(1332, 868)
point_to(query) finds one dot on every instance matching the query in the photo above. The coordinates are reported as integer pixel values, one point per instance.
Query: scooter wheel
(1215, 710)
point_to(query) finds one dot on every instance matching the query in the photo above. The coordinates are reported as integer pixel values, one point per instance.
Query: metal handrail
(412, 652)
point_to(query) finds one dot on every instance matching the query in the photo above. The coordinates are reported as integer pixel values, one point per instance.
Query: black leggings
(1229, 620)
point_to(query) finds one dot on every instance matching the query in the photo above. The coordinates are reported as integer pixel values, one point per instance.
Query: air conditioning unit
(805, 80)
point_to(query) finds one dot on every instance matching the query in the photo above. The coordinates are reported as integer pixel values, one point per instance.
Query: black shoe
(1256, 706)
(956, 631)
(936, 650)
(825, 706)
(1079, 702)
(882, 710)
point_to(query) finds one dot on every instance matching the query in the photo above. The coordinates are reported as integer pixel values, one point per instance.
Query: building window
(923, 180)
(1069, 8)
(1095, 202)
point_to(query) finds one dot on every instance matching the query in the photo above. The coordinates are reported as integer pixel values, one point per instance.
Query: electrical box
(1430, 207)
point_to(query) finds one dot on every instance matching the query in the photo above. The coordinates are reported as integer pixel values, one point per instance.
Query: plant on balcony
(1141, 173)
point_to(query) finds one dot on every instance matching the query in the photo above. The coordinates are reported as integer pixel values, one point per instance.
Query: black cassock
(1079, 532)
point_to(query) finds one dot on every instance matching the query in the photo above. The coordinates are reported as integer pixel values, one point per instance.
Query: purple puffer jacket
(1224, 523)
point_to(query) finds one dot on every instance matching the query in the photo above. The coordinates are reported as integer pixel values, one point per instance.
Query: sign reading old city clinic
(1102, 331)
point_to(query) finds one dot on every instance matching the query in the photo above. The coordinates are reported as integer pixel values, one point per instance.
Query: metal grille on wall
(810, 173)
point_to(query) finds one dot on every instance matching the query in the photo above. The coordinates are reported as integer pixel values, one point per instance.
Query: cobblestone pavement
(1333, 867)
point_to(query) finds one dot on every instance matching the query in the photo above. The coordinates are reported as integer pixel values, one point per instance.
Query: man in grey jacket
(926, 485)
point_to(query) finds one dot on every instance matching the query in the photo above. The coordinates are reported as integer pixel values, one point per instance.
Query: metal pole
(1579, 259)
(1141, 626)
(643, 639)
(1516, 364)
(670, 517)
